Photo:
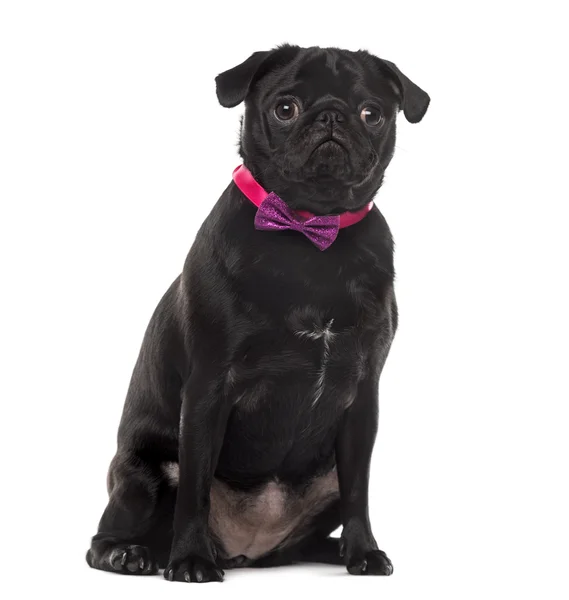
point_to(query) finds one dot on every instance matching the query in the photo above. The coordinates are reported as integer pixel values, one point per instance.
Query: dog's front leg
(354, 447)
(202, 426)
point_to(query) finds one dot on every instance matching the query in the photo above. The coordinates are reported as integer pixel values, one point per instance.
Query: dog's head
(319, 124)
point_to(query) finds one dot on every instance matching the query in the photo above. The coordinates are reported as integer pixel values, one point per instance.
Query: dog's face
(319, 126)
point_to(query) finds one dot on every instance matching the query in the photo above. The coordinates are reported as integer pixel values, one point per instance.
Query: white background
(113, 149)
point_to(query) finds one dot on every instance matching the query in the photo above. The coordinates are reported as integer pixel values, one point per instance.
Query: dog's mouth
(328, 160)
(329, 146)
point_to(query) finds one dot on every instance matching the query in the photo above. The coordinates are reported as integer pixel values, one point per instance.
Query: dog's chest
(312, 355)
(310, 328)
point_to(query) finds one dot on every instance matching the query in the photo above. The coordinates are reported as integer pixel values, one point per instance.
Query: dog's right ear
(232, 86)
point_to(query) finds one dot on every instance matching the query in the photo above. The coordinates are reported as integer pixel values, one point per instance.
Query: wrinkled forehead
(329, 72)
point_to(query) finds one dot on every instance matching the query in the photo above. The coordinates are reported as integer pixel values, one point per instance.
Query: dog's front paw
(360, 552)
(372, 562)
(193, 569)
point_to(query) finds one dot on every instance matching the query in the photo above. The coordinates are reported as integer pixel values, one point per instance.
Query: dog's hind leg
(133, 530)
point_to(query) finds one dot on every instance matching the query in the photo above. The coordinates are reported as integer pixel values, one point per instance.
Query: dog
(249, 423)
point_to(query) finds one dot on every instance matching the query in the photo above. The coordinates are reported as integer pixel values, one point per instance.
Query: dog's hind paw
(128, 559)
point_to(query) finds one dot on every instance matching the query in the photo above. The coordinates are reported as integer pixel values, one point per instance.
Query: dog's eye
(286, 110)
(371, 115)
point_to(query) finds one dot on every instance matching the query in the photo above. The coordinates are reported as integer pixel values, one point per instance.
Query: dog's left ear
(414, 101)
(232, 86)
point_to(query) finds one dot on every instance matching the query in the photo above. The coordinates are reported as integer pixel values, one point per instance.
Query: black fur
(234, 325)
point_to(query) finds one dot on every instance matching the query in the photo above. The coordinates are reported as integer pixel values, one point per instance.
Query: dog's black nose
(331, 116)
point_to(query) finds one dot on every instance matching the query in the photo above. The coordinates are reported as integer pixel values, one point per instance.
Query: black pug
(251, 415)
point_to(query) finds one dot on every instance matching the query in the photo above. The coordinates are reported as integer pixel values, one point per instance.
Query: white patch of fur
(327, 335)
(311, 335)
(172, 472)
(317, 332)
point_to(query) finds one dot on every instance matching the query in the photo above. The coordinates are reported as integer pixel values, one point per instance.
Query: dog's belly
(253, 523)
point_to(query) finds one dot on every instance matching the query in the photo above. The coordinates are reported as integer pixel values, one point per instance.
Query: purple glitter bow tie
(275, 215)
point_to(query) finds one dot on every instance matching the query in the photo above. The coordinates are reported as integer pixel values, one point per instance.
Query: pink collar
(245, 181)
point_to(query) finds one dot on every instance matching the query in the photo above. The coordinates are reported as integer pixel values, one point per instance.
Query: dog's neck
(319, 199)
